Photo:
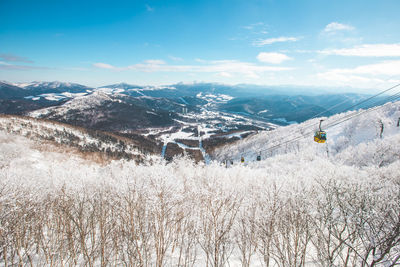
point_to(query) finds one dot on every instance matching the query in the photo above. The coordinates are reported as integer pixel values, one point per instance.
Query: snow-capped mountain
(10, 91)
(53, 87)
(36, 95)
(43, 91)
(17, 100)
(257, 103)
(138, 90)
(121, 85)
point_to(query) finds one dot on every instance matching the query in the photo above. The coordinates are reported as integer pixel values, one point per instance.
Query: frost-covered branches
(182, 214)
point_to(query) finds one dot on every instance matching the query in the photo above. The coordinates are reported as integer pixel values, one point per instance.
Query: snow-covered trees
(191, 215)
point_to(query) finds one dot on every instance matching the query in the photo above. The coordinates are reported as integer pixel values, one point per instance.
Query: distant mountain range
(272, 104)
(262, 102)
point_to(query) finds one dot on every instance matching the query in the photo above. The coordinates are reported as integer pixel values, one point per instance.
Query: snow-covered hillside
(298, 207)
(105, 145)
(355, 141)
(82, 103)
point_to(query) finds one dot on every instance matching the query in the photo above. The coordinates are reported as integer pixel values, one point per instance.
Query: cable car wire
(338, 121)
(311, 124)
(364, 111)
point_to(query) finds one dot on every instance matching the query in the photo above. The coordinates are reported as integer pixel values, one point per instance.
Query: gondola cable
(347, 109)
(341, 120)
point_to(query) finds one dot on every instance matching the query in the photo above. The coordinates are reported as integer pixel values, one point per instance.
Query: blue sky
(269, 42)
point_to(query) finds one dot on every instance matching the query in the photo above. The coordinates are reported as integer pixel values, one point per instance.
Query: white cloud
(248, 27)
(367, 50)
(256, 28)
(370, 75)
(233, 66)
(391, 67)
(104, 66)
(254, 25)
(8, 66)
(14, 58)
(336, 79)
(274, 58)
(220, 67)
(175, 58)
(275, 40)
(200, 60)
(335, 26)
(154, 62)
(224, 74)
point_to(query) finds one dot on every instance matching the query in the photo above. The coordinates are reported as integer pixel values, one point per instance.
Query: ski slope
(353, 142)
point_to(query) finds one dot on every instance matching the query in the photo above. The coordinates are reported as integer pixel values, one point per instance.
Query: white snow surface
(213, 99)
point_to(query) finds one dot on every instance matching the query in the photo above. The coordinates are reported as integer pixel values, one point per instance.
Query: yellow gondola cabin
(320, 136)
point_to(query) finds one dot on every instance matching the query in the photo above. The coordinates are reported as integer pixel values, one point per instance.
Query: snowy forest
(303, 204)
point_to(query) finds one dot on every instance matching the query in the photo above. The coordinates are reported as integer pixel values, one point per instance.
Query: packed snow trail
(206, 157)
(164, 148)
(184, 101)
